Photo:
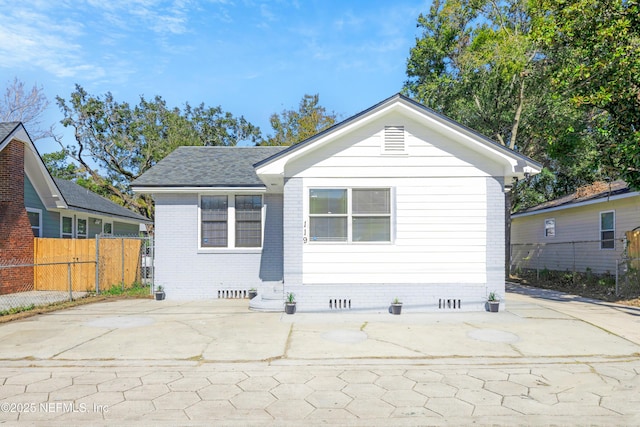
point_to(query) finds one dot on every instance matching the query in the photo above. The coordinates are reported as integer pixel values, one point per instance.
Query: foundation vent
(232, 293)
(339, 304)
(449, 304)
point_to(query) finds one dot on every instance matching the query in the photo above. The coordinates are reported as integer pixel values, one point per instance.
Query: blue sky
(251, 57)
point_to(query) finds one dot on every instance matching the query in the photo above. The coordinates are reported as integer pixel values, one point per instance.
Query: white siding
(439, 217)
(575, 245)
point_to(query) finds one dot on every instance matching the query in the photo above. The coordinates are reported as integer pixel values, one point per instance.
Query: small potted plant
(159, 293)
(493, 302)
(290, 303)
(396, 306)
(253, 293)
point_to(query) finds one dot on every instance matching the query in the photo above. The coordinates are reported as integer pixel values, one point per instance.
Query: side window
(550, 227)
(67, 227)
(35, 218)
(607, 230)
(81, 228)
(107, 228)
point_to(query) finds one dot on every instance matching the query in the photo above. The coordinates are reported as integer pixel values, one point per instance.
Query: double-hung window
(350, 215)
(550, 227)
(231, 221)
(214, 216)
(35, 218)
(67, 227)
(607, 230)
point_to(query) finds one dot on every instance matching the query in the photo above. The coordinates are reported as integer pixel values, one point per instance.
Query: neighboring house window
(214, 215)
(550, 227)
(607, 230)
(81, 228)
(350, 215)
(248, 221)
(67, 227)
(35, 218)
(107, 228)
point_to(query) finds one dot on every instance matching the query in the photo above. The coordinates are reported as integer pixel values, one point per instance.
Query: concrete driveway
(548, 359)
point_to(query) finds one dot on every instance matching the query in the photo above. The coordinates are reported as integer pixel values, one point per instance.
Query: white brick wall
(187, 274)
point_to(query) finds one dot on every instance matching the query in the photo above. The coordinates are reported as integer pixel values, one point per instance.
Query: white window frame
(350, 215)
(39, 227)
(612, 230)
(231, 223)
(84, 235)
(104, 224)
(551, 221)
(62, 233)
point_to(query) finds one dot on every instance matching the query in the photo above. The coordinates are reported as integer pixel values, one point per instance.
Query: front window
(248, 221)
(328, 215)
(607, 230)
(371, 215)
(213, 211)
(350, 215)
(231, 221)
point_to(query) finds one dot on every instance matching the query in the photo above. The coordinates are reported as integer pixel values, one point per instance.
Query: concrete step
(270, 298)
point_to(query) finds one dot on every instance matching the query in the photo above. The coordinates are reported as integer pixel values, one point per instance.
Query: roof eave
(198, 189)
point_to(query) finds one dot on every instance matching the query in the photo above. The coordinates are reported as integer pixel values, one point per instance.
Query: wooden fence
(633, 248)
(57, 260)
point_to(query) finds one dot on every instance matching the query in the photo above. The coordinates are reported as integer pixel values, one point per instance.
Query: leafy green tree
(477, 62)
(114, 143)
(291, 126)
(593, 47)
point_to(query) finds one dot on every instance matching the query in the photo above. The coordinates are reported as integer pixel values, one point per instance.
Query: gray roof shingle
(614, 188)
(207, 167)
(81, 199)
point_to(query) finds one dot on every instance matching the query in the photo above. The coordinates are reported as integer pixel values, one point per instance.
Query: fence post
(97, 263)
(122, 257)
(537, 261)
(70, 281)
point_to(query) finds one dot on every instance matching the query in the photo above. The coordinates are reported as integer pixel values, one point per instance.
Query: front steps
(270, 298)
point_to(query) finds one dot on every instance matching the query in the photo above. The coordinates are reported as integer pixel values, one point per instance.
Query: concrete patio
(548, 359)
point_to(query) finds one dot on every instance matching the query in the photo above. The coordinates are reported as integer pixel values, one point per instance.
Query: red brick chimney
(16, 237)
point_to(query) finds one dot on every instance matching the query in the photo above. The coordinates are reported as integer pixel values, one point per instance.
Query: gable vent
(394, 142)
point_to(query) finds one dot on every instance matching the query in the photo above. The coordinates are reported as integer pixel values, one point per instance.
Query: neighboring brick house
(32, 203)
(396, 201)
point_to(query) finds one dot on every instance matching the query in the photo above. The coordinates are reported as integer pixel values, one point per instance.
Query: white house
(396, 201)
(583, 230)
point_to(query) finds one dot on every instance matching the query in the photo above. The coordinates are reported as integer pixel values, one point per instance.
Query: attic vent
(394, 140)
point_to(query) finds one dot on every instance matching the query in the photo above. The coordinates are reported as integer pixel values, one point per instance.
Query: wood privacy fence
(86, 265)
(633, 248)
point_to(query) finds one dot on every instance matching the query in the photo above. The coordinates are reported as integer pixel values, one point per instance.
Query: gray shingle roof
(207, 167)
(615, 188)
(81, 199)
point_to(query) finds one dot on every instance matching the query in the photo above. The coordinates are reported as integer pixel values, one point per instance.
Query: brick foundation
(16, 237)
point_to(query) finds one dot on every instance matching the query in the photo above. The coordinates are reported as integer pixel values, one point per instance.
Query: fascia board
(166, 190)
(36, 171)
(511, 161)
